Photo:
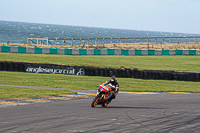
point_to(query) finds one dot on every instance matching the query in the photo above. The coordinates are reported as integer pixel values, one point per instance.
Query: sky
(182, 16)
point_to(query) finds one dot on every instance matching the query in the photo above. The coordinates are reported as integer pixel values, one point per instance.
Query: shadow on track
(125, 107)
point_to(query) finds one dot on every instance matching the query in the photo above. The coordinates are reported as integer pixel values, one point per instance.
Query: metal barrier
(102, 41)
(92, 51)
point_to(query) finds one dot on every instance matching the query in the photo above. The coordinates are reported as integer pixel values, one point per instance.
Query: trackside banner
(37, 68)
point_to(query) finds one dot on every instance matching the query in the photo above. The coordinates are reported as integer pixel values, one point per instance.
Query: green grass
(91, 82)
(17, 92)
(177, 63)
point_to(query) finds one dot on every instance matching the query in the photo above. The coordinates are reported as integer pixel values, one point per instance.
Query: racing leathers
(114, 92)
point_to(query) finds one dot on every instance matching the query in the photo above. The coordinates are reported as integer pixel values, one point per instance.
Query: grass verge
(17, 92)
(91, 82)
(172, 62)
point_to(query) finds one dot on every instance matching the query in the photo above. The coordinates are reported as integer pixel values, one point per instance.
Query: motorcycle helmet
(112, 79)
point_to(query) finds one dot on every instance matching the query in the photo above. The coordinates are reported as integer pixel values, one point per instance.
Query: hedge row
(108, 72)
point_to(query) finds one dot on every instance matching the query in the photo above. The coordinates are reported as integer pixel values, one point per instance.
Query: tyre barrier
(12, 66)
(97, 71)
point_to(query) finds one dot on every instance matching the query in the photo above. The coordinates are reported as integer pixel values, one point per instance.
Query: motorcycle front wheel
(95, 101)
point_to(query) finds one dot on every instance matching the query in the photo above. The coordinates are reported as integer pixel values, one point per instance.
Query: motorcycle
(104, 92)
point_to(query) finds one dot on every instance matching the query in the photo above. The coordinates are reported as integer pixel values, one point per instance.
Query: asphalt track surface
(128, 113)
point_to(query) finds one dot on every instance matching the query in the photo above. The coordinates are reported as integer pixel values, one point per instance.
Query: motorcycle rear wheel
(105, 104)
(95, 101)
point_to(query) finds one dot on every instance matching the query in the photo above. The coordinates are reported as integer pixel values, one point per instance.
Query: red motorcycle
(104, 92)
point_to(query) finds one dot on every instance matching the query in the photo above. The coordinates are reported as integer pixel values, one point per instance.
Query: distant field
(177, 63)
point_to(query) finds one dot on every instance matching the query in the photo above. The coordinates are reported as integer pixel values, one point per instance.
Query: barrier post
(186, 40)
(178, 40)
(119, 41)
(79, 42)
(64, 41)
(37, 40)
(111, 40)
(72, 42)
(47, 41)
(163, 41)
(88, 41)
(96, 41)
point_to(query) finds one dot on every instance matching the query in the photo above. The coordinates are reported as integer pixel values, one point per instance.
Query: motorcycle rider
(113, 82)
